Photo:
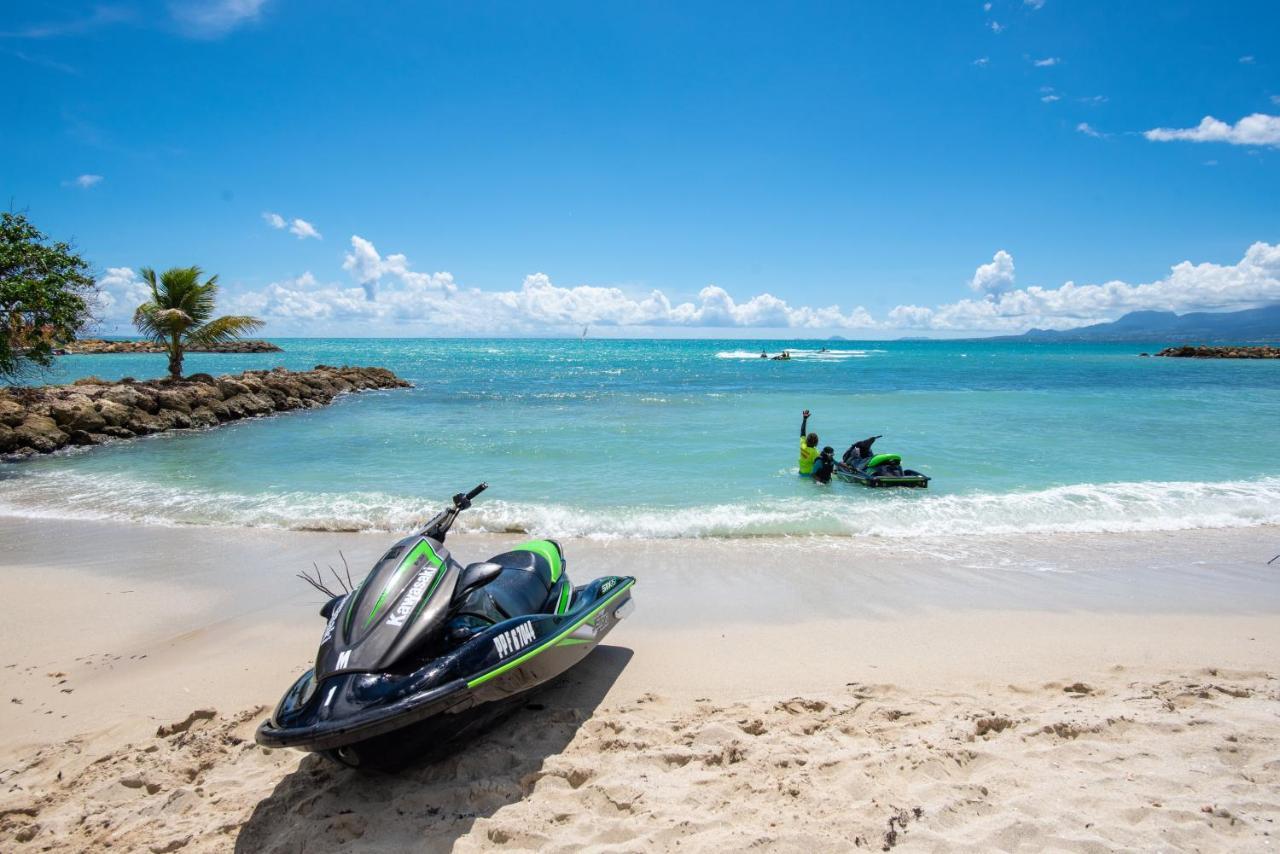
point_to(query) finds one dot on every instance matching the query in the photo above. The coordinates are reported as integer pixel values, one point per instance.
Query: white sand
(776, 694)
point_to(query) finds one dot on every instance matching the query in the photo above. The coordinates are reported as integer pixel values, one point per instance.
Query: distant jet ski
(860, 466)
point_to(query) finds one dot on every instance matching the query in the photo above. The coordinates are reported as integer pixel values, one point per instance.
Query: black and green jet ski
(425, 652)
(861, 466)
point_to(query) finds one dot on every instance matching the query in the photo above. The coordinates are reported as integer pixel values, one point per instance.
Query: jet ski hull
(384, 719)
(908, 478)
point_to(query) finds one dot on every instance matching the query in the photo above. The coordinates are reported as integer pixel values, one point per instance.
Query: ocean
(670, 439)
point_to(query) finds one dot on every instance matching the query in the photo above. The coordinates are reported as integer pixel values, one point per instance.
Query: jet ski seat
(508, 585)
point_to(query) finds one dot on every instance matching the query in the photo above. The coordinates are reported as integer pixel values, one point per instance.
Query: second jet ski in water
(861, 466)
(426, 651)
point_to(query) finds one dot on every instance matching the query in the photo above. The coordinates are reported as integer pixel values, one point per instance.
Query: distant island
(1250, 325)
(101, 345)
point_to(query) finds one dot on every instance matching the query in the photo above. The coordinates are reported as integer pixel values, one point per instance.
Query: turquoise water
(699, 438)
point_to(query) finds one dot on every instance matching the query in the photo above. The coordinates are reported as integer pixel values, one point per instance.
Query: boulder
(203, 416)
(40, 433)
(174, 398)
(76, 412)
(11, 413)
(128, 396)
(113, 414)
(229, 387)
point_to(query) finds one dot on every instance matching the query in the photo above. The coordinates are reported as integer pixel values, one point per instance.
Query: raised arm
(804, 423)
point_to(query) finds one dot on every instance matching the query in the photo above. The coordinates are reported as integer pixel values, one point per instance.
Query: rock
(169, 398)
(143, 423)
(1227, 352)
(40, 433)
(113, 414)
(230, 387)
(202, 416)
(128, 396)
(76, 412)
(82, 437)
(40, 420)
(11, 413)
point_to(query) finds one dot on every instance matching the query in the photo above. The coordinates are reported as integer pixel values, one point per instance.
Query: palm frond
(222, 329)
(145, 318)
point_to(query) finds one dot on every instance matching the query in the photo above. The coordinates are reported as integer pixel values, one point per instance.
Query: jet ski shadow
(429, 805)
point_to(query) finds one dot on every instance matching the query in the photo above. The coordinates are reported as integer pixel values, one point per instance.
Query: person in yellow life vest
(808, 447)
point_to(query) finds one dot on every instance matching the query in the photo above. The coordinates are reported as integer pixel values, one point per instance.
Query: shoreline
(894, 678)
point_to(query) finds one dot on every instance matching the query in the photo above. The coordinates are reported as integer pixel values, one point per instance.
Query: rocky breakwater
(1262, 352)
(98, 345)
(92, 411)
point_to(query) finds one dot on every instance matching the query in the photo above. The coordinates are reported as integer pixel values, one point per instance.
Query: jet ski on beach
(425, 652)
(859, 465)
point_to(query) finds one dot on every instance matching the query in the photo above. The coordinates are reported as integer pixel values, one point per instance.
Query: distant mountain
(1254, 324)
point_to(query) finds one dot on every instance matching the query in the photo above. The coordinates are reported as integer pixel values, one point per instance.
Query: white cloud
(982, 61)
(299, 227)
(84, 182)
(996, 277)
(996, 27)
(1093, 99)
(387, 292)
(303, 229)
(369, 268)
(1034, 4)
(211, 19)
(1088, 130)
(1047, 62)
(1246, 60)
(119, 293)
(1253, 281)
(385, 295)
(986, 7)
(1257, 129)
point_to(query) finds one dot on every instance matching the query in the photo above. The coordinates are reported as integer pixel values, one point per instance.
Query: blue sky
(886, 169)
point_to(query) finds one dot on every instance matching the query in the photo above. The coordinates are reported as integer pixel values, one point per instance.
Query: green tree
(180, 314)
(45, 293)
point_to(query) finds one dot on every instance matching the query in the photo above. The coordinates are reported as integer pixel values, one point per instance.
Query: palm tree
(180, 314)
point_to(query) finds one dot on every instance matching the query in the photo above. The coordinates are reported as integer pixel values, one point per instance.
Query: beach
(1101, 691)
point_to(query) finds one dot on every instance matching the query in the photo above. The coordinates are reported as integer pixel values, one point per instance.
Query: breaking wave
(1082, 508)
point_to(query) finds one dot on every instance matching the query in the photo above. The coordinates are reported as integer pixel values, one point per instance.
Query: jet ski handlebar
(439, 525)
(463, 501)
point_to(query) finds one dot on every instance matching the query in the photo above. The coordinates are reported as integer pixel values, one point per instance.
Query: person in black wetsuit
(824, 465)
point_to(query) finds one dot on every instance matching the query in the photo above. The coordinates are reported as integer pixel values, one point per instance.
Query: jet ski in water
(860, 465)
(425, 652)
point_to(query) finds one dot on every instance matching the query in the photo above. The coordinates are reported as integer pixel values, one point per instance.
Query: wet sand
(1078, 692)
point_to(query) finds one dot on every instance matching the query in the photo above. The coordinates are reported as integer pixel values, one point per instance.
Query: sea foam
(1083, 508)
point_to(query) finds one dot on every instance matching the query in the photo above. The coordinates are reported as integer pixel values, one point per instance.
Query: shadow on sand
(427, 807)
